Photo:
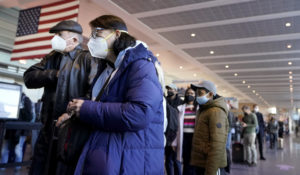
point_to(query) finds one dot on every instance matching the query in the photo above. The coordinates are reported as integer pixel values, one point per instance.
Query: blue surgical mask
(202, 100)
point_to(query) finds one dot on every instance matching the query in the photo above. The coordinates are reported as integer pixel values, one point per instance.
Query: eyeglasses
(95, 32)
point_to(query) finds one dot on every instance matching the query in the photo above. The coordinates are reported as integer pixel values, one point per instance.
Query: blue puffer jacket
(129, 138)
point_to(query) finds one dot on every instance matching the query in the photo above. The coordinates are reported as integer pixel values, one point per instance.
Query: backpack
(172, 127)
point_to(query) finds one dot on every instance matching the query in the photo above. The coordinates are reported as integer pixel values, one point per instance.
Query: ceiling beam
(230, 21)
(254, 77)
(259, 69)
(253, 61)
(189, 7)
(259, 39)
(249, 54)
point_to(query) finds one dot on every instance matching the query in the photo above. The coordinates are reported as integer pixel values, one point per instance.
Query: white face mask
(59, 44)
(256, 109)
(98, 46)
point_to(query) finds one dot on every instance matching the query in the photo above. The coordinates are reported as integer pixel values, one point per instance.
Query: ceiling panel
(136, 6)
(234, 31)
(240, 10)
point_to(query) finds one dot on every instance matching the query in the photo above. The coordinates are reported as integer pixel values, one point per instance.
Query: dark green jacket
(251, 121)
(209, 141)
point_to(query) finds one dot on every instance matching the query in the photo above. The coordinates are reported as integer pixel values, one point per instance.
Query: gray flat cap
(68, 26)
(210, 86)
(171, 86)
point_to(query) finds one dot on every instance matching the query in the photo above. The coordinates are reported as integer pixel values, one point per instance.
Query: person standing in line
(261, 132)
(249, 125)
(187, 115)
(211, 130)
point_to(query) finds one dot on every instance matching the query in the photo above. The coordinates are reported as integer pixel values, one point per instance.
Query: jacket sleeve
(38, 76)
(218, 129)
(143, 98)
(254, 123)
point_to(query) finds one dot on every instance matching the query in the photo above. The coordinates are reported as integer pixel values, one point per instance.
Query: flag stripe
(34, 40)
(59, 19)
(37, 35)
(58, 3)
(35, 44)
(59, 15)
(38, 52)
(43, 26)
(32, 48)
(28, 57)
(59, 7)
(59, 11)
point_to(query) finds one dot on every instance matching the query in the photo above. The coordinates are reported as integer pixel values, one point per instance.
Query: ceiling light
(253, 91)
(195, 75)
(235, 74)
(290, 63)
(227, 66)
(249, 86)
(193, 34)
(290, 72)
(291, 81)
(288, 24)
(22, 61)
(291, 89)
(289, 46)
(244, 81)
(212, 52)
(291, 77)
(157, 55)
(180, 67)
(257, 94)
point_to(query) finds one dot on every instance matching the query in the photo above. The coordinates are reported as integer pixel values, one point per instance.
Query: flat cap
(68, 26)
(210, 86)
(171, 86)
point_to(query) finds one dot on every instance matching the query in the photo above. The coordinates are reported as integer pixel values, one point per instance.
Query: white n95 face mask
(98, 47)
(58, 43)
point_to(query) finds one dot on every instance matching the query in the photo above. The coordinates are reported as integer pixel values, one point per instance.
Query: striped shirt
(189, 119)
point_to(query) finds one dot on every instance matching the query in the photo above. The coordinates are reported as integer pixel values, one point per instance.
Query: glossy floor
(279, 162)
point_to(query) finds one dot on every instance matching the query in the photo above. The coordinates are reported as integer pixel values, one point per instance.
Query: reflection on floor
(279, 162)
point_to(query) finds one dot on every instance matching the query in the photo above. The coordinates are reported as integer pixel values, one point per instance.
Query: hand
(244, 125)
(62, 119)
(74, 106)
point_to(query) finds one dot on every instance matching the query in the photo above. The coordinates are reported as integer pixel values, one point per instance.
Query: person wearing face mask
(187, 119)
(249, 126)
(211, 130)
(65, 73)
(261, 132)
(127, 107)
(173, 149)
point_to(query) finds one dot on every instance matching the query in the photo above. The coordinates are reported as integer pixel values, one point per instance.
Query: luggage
(237, 153)
(280, 143)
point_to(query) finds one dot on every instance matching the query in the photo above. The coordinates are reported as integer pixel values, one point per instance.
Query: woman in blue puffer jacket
(127, 110)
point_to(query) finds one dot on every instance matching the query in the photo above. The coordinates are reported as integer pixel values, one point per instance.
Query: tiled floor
(279, 162)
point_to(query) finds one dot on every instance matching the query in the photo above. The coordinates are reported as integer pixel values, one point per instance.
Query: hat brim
(195, 87)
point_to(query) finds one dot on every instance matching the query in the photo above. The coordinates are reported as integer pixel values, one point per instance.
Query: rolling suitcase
(280, 143)
(237, 153)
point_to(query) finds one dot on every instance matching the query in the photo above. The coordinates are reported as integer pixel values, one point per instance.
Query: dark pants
(173, 166)
(260, 139)
(273, 140)
(186, 154)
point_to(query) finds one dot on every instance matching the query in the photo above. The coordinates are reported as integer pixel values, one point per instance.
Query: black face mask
(189, 98)
(245, 113)
(170, 93)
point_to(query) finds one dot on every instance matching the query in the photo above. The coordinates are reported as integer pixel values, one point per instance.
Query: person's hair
(115, 23)
(254, 105)
(245, 107)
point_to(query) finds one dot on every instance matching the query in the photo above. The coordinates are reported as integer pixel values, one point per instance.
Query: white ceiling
(249, 36)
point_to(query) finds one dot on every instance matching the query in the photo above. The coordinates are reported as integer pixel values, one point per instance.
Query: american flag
(33, 39)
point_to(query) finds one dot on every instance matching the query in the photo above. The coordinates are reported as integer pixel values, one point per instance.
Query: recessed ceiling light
(290, 63)
(291, 81)
(22, 61)
(212, 52)
(288, 24)
(244, 81)
(249, 86)
(290, 72)
(291, 89)
(227, 66)
(257, 94)
(291, 77)
(193, 34)
(253, 91)
(195, 75)
(180, 67)
(289, 46)
(157, 54)
(235, 74)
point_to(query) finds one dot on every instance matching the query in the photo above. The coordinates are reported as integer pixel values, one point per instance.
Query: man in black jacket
(261, 132)
(65, 73)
